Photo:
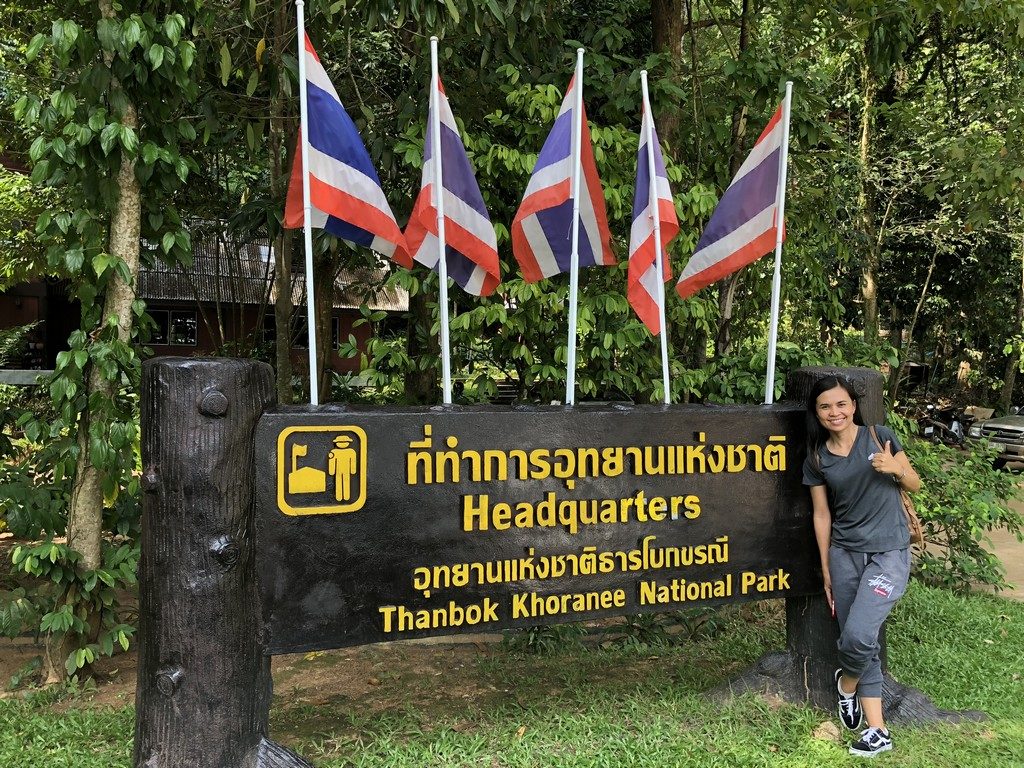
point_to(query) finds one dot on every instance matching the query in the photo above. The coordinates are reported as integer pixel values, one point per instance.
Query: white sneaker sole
(870, 753)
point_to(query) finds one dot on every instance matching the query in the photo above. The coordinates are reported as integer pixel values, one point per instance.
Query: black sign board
(389, 524)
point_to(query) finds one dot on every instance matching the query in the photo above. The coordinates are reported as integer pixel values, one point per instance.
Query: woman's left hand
(884, 462)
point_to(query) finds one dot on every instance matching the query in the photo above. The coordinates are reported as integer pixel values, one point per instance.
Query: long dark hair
(817, 434)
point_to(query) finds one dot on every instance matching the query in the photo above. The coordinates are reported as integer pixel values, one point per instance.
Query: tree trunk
(727, 287)
(865, 201)
(894, 377)
(1013, 361)
(323, 284)
(667, 35)
(280, 128)
(85, 509)
(421, 384)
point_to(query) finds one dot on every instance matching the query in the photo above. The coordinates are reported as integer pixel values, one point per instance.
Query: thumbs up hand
(884, 462)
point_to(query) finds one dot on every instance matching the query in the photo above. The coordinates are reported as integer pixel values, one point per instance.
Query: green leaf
(452, 10)
(35, 46)
(129, 139)
(225, 64)
(155, 54)
(108, 136)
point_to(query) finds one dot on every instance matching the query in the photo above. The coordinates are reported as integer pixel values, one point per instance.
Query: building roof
(231, 270)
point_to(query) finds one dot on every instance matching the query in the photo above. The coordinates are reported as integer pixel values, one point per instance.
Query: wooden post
(203, 693)
(803, 672)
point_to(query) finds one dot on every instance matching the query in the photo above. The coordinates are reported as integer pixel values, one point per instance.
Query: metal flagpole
(574, 263)
(780, 225)
(307, 208)
(438, 185)
(653, 201)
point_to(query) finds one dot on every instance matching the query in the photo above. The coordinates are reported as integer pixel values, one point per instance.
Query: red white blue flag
(643, 270)
(542, 228)
(471, 247)
(344, 189)
(745, 224)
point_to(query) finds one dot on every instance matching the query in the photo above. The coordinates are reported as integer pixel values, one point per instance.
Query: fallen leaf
(374, 681)
(521, 731)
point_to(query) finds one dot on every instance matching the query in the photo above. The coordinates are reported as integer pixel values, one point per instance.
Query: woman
(863, 541)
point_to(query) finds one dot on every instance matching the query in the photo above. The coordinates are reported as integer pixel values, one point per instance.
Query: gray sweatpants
(865, 587)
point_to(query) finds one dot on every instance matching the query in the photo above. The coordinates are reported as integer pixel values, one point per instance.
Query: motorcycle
(946, 425)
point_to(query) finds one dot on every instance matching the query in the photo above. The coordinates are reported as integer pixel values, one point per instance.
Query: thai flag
(471, 247)
(745, 224)
(643, 269)
(542, 228)
(344, 189)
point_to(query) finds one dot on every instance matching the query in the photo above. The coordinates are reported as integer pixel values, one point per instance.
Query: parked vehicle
(1005, 434)
(944, 425)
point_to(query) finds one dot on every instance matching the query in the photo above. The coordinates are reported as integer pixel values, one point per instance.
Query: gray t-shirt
(867, 513)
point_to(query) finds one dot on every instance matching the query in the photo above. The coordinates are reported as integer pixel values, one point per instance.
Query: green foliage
(12, 341)
(102, 92)
(72, 598)
(961, 501)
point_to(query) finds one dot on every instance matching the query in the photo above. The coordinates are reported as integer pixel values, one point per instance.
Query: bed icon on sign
(321, 470)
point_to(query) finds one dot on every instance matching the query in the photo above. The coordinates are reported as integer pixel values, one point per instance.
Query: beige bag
(913, 521)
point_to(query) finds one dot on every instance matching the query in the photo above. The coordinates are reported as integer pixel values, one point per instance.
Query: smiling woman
(863, 541)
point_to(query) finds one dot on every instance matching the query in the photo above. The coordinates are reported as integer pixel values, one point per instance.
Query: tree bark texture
(802, 673)
(204, 686)
(667, 37)
(85, 512)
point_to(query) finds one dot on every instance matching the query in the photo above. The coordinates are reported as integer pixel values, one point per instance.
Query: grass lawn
(623, 704)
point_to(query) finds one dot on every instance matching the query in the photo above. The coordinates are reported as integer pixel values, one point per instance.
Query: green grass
(620, 706)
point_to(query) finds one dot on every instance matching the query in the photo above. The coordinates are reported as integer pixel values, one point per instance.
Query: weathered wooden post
(204, 687)
(803, 672)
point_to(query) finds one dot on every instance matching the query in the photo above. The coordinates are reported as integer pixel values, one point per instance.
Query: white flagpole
(780, 221)
(574, 263)
(442, 261)
(307, 209)
(653, 202)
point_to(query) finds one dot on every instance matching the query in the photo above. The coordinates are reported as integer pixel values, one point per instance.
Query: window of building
(176, 326)
(300, 336)
(158, 335)
(183, 328)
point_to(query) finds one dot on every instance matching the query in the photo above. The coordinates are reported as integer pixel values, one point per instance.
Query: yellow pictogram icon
(305, 479)
(321, 470)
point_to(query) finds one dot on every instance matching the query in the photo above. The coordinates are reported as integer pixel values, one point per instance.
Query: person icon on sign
(341, 465)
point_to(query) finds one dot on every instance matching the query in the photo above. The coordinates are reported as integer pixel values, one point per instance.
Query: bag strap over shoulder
(874, 436)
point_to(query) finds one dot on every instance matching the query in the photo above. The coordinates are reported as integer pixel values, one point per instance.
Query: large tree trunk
(85, 510)
(866, 215)
(667, 35)
(727, 287)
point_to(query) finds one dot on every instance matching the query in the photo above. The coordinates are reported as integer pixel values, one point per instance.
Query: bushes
(962, 499)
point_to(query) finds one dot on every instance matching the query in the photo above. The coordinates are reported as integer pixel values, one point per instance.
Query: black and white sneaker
(850, 712)
(872, 741)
